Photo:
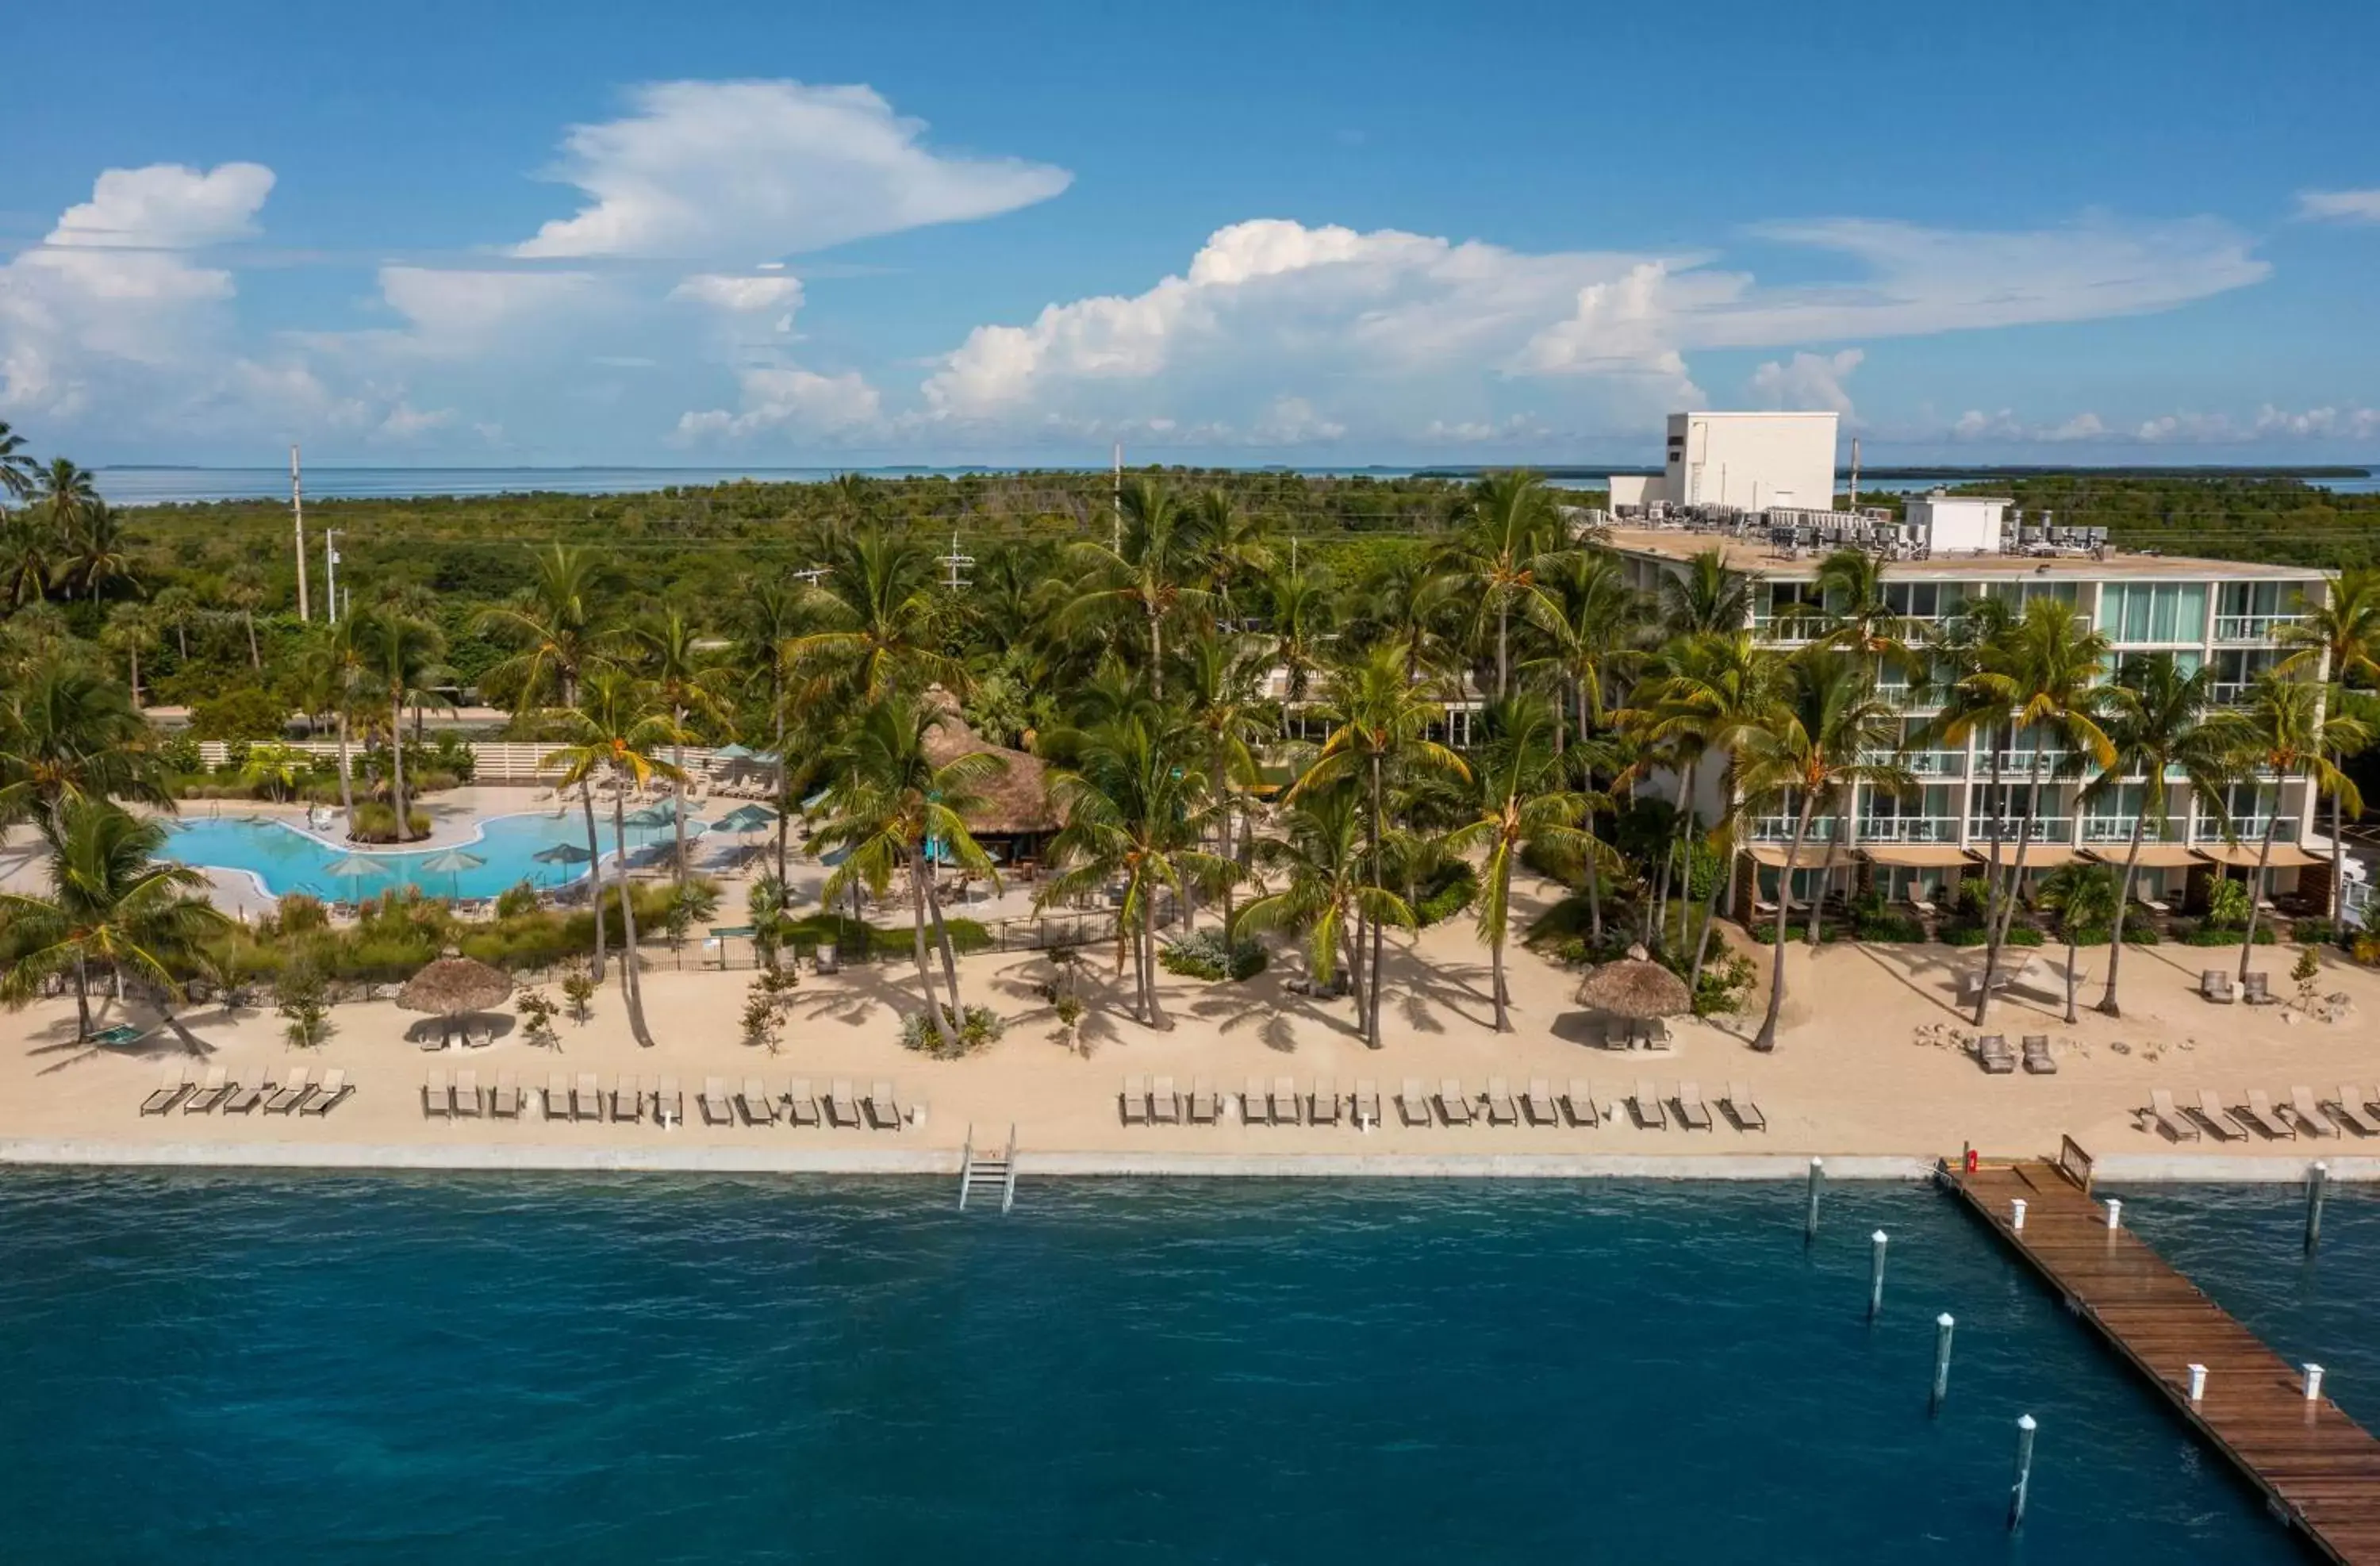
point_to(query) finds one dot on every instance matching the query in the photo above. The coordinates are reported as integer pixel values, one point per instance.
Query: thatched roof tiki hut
(1635, 988)
(1016, 815)
(453, 987)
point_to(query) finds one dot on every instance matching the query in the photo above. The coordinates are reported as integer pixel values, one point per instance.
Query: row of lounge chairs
(2236, 1118)
(760, 1103)
(1280, 1102)
(182, 1090)
(628, 1100)
(1619, 1033)
(1993, 1054)
(2214, 984)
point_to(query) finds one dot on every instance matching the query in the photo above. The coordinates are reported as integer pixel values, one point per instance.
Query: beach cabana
(1635, 988)
(455, 987)
(1016, 815)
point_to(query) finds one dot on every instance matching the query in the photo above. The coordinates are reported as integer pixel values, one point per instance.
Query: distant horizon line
(1877, 470)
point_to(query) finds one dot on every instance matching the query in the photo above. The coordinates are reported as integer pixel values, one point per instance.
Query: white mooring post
(2016, 1214)
(2115, 1215)
(2197, 1384)
(1817, 1178)
(2317, 1178)
(2313, 1382)
(2022, 1491)
(1876, 1242)
(1943, 1324)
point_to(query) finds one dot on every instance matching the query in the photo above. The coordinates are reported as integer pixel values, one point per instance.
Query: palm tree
(28, 548)
(1380, 724)
(1812, 745)
(552, 623)
(178, 607)
(879, 627)
(1415, 604)
(64, 496)
(2283, 731)
(113, 902)
(2084, 897)
(1854, 613)
(398, 655)
(1230, 547)
(97, 550)
(67, 732)
(245, 596)
(1513, 533)
(1227, 710)
(1518, 804)
(1135, 805)
(1595, 623)
(2339, 638)
(1713, 690)
(1151, 572)
(617, 729)
(1299, 628)
(131, 631)
(890, 806)
(18, 471)
(685, 681)
(767, 619)
(1705, 597)
(330, 676)
(1324, 891)
(2156, 728)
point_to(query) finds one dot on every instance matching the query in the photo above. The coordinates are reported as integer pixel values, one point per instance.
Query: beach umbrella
(562, 854)
(454, 862)
(734, 753)
(455, 985)
(746, 818)
(1636, 988)
(353, 868)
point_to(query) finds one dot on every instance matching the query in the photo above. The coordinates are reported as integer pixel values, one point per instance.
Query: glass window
(2144, 611)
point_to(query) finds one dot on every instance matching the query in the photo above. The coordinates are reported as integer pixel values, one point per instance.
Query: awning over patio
(1814, 856)
(2154, 855)
(2039, 856)
(2243, 856)
(1918, 856)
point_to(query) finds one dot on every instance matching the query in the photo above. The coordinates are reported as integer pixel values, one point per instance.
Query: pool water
(287, 859)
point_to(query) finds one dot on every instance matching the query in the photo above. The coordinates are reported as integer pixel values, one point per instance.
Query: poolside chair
(1647, 1106)
(1203, 1108)
(169, 1092)
(755, 1101)
(628, 1098)
(2215, 986)
(1501, 1111)
(841, 1105)
(2349, 1110)
(1993, 1054)
(1538, 1104)
(1284, 1100)
(717, 1108)
(2218, 1121)
(2161, 1115)
(557, 1097)
(1134, 1101)
(293, 1093)
(246, 1097)
(2309, 1117)
(1656, 1033)
(1453, 1103)
(1164, 1103)
(883, 1108)
(1580, 1101)
(436, 1099)
(1742, 1109)
(2038, 1058)
(466, 1094)
(330, 1095)
(1367, 1102)
(1412, 1105)
(801, 1104)
(587, 1096)
(505, 1099)
(218, 1087)
(1322, 1107)
(2258, 1112)
(1253, 1106)
(669, 1104)
(1692, 1113)
(2256, 990)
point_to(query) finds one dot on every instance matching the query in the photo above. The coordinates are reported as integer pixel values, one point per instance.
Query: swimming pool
(286, 858)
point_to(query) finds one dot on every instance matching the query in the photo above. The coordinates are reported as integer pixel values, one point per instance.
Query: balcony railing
(1780, 828)
(1909, 829)
(2250, 627)
(2021, 760)
(2041, 828)
(2229, 693)
(2249, 830)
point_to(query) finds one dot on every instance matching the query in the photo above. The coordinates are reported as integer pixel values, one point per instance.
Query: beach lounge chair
(466, 1094)
(1501, 1111)
(2215, 986)
(1164, 1103)
(1692, 1112)
(2258, 1113)
(2256, 990)
(1412, 1104)
(717, 1108)
(1133, 1098)
(1655, 1032)
(293, 1093)
(245, 1097)
(1580, 1101)
(1254, 1107)
(2038, 1058)
(587, 1096)
(842, 1104)
(1284, 1100)
(2309, 1117)
(1322, 1108)
(669, 1104)
(801, 1104)
(883, 1108)
(2349, 1110)
(436, 1102)
(1992, 1053)
(1204, 1110)
(1742, 1109)
(628, 1099)
(2162, 1116)
(169, 1092)
(1538, 1104)
(557, 1097)
(217, 1089)
(2217, 1120)
(504, 1100)
(756, 1104)
(330, 1095)
(1453, 1103)
(1647, 1106)
(1367, 1102)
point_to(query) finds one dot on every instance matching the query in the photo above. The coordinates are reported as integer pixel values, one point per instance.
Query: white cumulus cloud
(743, 295)
(1808, 380)
(2339, 206)
(788, 400)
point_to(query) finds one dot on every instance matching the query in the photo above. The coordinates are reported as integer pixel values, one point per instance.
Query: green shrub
(1727, 980)
(980, 1029)
(1447, 892)
(1885, 927)
(2228, 905)
(2314, 932)
(516, 900)
(376, 822)
(2226, 935)
(1203, 954)
(241, 712)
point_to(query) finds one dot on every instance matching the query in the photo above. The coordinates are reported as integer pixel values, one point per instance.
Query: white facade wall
(1638, 489)
(1752, 460)
(1959, 524)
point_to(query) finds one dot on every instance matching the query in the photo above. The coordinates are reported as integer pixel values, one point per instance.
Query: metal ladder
(987, 1174)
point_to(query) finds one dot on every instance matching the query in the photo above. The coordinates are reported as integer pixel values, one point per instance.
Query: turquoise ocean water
(204, 1367)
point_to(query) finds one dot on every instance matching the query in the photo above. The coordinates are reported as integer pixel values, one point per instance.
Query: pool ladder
(987, 1174)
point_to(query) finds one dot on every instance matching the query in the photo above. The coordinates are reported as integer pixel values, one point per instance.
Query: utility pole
(331, 569)
(1115, 501)
(955, 562)
(1854, 472)
(298, 509)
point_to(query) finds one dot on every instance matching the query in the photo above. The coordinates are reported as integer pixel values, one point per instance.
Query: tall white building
(1750, 461)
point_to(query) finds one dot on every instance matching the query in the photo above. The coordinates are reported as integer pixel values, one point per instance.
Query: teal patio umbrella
(746, 818)
(562, 854)
(352, 869)
(454, 862)
(734, 753)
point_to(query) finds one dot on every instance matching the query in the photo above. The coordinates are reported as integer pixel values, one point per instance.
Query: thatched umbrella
(455, 985)
(1635, 988)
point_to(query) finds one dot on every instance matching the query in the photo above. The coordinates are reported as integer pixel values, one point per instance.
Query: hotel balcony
(2248, 830)
(2042, 828)
(2251, 627)
(1909, 829)
(1780, 828)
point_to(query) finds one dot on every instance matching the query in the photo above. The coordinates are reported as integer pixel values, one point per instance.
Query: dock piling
(2022, 1490)
(2016, 1214)
(1810, 1223)
(2317, 1181)
(2197, 1384)
(1876, 1242)
(1943, 1324)
(2313, 1382)
(2115, 1215)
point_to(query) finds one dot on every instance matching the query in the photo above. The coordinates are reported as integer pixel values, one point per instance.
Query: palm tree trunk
(943, 938)
(1669, 855)
(255, 658)
(785, 790)
(1766, 1039)
(594, 869)
(1372, 1011)
(1157, 1017)
(2070, 1019)
(677, 795)
(1992, 926)
(2337, 869)
(396, 762)
(1819, 902)
(1594, 888)
(2123, 903)
(634, 990)
(2256, 887)
(1711, 916)
(82, 998)
(1501, 891)
(347, 786)
(942, 1029)
(1156, 656)
(1503, 646)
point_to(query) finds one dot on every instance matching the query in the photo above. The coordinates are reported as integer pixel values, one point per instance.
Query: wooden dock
(2317, 1468)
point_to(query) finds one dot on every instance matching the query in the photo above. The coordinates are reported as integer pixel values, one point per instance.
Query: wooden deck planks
(2317, 1466)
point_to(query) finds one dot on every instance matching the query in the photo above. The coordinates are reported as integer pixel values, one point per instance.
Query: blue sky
(1330, 233)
